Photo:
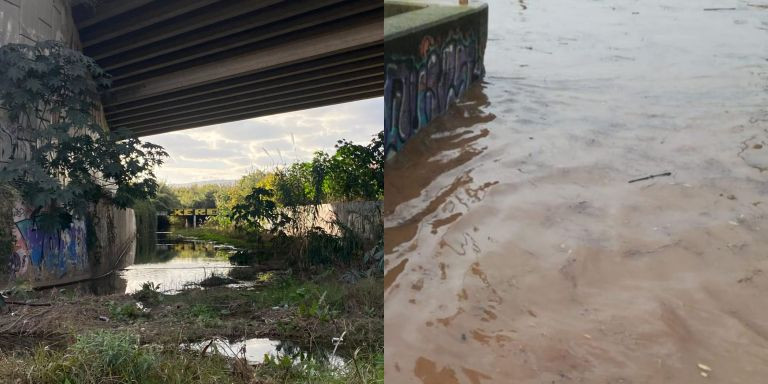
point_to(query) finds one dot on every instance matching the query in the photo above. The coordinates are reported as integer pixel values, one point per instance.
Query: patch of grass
(360, 369)
(113, 357)
(126, 311)
(149, 293)
(366, 296)
(287, 291)
(205, 314)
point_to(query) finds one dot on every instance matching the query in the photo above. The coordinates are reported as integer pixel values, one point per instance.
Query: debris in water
(103, 318)
(719, 9)
(651, 177)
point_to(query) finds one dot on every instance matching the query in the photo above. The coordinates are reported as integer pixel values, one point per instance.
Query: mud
(517, 251)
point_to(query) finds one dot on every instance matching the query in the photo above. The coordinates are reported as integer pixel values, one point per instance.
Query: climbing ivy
(51, 93)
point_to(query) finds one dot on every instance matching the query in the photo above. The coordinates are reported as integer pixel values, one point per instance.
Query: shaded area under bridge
(179, 64)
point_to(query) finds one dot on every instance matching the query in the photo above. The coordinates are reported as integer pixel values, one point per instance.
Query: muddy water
(517, 251)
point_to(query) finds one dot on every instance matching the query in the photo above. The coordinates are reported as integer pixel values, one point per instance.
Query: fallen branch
(651, 177)
(29, 304)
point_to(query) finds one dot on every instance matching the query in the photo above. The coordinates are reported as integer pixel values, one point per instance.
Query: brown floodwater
(517, 251)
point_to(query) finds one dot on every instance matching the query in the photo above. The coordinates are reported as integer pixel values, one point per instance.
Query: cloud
(228, 151)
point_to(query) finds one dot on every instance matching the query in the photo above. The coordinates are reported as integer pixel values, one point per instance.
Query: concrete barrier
(432, 54)
(361, 217)
(44, 258)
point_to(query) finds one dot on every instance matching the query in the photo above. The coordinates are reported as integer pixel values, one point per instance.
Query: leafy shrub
(149, 293)
(50, 93)
(126, 311)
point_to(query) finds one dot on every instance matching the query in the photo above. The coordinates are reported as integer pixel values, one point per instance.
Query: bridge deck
(179, 64)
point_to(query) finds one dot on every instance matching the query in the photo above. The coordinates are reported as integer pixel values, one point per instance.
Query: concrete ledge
(432, 54)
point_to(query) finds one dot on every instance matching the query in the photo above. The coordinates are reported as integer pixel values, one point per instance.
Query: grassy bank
(118, 357)
(111, 339)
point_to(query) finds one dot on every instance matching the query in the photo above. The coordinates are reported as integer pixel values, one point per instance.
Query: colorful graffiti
(418, 89)
(41, 255)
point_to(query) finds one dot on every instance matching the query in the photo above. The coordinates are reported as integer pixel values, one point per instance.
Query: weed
(305, 368)
(126, 311)
(205, 314)
(112, 357)
(149, 293)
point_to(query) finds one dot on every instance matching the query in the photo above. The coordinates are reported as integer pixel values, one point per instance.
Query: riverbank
(305, 313)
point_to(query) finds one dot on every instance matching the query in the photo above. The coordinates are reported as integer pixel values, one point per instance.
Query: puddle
(255, 350)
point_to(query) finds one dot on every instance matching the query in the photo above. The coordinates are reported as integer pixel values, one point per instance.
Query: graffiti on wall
(38, 254)
(418, 89)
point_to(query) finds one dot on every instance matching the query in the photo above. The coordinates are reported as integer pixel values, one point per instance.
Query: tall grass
(113, 357)
(117, 358)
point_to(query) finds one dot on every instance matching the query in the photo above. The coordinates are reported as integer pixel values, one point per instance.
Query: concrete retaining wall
(28, 21)
(362, 217)
(53, 258)
(432, 54)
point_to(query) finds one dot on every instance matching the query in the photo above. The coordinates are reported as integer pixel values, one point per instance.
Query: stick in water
(651, 177)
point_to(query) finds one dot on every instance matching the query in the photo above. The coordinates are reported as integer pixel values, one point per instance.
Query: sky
(229, 151)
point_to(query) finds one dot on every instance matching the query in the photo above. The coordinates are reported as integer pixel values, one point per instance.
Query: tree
(259, 209)
(356, 172)
(51, 94)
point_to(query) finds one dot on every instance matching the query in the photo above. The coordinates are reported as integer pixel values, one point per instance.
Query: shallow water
(256, 350)
(175, 263)
(517, 251)
(171, 262)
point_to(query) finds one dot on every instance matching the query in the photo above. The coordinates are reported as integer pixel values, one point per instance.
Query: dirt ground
(517, 250)
(190, 316)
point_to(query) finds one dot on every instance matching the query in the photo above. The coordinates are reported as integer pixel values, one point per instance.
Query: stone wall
(53, 258)
(432, 54)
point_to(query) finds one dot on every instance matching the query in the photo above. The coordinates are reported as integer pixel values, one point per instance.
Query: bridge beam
(179, 63)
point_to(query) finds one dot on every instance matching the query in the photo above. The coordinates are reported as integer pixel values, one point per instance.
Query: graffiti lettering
(418, 89)
(38, 254)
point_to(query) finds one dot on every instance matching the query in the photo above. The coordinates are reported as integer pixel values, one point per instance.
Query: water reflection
(172, 262)
(256, 350)
(516, 249)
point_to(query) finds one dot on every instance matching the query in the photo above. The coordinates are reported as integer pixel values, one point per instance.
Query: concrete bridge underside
(179, 64)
